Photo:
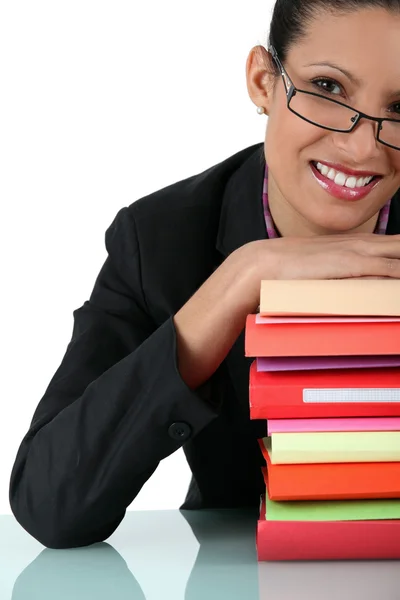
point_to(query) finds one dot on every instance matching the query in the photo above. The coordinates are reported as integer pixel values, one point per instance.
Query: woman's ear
(260, 77)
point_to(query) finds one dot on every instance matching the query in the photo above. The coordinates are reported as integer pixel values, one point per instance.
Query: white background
(102, 102)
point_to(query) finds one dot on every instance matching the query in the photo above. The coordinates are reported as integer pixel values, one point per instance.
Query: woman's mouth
(343, 186)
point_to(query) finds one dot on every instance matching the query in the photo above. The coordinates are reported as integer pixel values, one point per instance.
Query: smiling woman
(156, 361)
(358, 103)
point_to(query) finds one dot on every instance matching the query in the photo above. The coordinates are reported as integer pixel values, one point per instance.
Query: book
(326, 540)
(332, 510)
(330, 297)
(321, 339)
(312, 363)
(324, 394)
(334, 424)
(334, 447)
(328, 351)
(335, 481)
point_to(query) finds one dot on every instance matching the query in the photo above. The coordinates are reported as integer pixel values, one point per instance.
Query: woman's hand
(326, 257)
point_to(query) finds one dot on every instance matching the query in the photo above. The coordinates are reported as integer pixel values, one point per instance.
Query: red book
(321, 339)
(327, 540)
(330, 393)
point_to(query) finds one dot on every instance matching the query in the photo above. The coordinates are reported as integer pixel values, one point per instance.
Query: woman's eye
(327, 85)
(396, 109)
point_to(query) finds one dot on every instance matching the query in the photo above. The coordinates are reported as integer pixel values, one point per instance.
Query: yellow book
(333, 447)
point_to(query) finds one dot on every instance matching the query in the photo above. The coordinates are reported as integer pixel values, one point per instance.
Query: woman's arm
(209, 323)
(102, 426)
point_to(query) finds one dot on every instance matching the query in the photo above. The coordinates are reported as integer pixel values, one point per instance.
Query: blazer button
(180, 431)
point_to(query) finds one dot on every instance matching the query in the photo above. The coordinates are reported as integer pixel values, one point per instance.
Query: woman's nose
(361, 144)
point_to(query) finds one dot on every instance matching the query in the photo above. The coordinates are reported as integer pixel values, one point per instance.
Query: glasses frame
(291, 91)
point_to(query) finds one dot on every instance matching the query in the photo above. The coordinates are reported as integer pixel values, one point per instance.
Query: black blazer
(116, 405)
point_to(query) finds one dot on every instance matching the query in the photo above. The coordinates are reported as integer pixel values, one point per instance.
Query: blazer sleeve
(104, 422)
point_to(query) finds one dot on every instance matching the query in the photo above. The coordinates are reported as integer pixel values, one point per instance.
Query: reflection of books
(329, 580)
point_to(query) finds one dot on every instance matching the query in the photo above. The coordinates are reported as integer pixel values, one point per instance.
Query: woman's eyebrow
(352, 78)
(355, 80)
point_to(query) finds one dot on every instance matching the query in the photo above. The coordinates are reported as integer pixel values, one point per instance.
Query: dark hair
(291, 18)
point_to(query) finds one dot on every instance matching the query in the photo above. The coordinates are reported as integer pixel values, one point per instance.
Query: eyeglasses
(331, 114)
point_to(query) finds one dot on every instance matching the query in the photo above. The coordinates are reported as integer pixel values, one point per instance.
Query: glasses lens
(324, 112)
(390, 133)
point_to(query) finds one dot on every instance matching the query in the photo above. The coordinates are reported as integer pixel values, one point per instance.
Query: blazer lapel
(242, 221)
(242, 214)
(394, 215)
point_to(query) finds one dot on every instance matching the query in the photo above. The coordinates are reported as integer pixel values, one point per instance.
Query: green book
(332, 510)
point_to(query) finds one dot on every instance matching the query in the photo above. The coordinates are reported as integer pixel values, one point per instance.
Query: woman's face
(366, 44)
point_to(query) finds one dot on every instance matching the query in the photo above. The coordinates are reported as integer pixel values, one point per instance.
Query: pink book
(334, 424)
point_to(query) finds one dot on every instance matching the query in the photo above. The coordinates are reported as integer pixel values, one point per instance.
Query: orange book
(321, 339)
(336, 481)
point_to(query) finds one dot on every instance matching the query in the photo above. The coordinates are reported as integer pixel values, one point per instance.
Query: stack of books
(326, 377)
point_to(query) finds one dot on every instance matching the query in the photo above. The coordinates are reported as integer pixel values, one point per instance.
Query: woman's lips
(342, 192)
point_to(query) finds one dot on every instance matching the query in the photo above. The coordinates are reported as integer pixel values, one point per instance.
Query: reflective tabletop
(180, 555)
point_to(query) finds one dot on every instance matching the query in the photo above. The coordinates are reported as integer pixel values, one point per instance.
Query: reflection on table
(225, 566)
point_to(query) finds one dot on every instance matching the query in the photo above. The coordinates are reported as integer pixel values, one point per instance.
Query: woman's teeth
(342, 179)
